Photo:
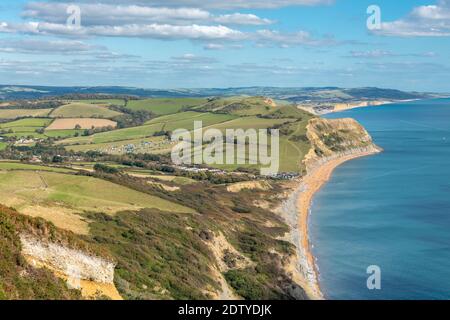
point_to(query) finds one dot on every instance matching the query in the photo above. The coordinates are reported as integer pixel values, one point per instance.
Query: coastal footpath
(334, 142)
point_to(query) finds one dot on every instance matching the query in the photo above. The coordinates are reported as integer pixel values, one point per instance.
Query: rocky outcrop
(66, 261)
(333, 139)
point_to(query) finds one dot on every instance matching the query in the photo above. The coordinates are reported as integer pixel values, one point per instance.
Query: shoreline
(297, 210)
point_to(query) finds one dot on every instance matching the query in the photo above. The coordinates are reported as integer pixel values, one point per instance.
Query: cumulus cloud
(155, 31)
(286, 40)
(34, 46)
(115, 19)
(192, 58)
(374, 54)
(223, 4)
(95, 14)
(422, 21)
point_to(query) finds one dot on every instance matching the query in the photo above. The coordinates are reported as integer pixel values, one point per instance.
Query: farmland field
(84, 123)
(185, 120)
(22, 113)
(62, 133)
(25, 166)
(250, 123)
(166, 123)
(116, 135)
(102, 102)
(155, 145)
(29, 122)
(164, 106)
(83, 110)
(55, 196)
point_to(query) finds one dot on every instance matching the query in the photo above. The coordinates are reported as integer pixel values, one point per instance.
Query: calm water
(390, 210)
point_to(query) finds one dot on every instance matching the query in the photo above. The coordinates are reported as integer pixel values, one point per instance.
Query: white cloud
(156, 31)
(115, 15)
(374, 54)
(286, 40)
(47, 47)
(223, 4)
(115, 19)
(422, 21)
(192, 58)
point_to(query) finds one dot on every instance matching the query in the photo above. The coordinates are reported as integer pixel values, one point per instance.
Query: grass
(83, 110)
(27, 123)
(246, 123)
(62, 133)
(168, 123)
(19, 135)
(3, 146)
(185, 120)
(21, 113)
(117, 102)
(116, 135)
(158, 145)
(164, 106)
(80, 193)
(241, 106)
(33, 167)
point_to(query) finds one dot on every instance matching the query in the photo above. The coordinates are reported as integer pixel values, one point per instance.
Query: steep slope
(331, 139)
(18, 279)
(39, 261)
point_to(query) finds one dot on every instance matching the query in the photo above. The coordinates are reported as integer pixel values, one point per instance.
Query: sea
(380, 228)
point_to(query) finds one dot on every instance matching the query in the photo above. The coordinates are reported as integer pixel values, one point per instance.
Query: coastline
(296, 211)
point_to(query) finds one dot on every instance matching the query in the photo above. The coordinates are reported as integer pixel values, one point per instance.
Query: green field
(19, 135)
(117, 102)
(167, 123)
(62, 133)
(22, 113)
(164, 106)
(33, 167)
(116, 135)
(242, 106)
(27, 123)
(3, 146)
(83, 110)
(21, 189)
(250, 123)
(154, 145)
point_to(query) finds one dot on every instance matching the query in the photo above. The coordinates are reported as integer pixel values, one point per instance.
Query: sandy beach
(310, 184)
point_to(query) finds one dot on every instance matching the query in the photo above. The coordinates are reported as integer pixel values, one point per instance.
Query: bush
(106, 169)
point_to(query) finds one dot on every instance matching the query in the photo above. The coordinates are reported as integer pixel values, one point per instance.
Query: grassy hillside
(21, 113)
(241, 106)
(60, 198)
(168, 123)
(164, 106)
(27, 123)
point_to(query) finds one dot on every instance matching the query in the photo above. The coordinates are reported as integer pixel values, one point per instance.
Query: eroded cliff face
(332, 139)
(94, 276)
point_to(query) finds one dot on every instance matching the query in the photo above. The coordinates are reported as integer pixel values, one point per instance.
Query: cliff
(333, 139)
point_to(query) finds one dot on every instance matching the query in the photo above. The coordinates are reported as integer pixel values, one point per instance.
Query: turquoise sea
(391, 210)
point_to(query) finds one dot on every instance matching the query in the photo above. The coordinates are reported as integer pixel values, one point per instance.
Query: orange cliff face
(331, 139)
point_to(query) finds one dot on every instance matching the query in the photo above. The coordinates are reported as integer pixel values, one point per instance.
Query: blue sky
(211, 43)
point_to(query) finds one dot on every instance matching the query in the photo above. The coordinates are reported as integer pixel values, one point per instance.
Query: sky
(234, 43)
